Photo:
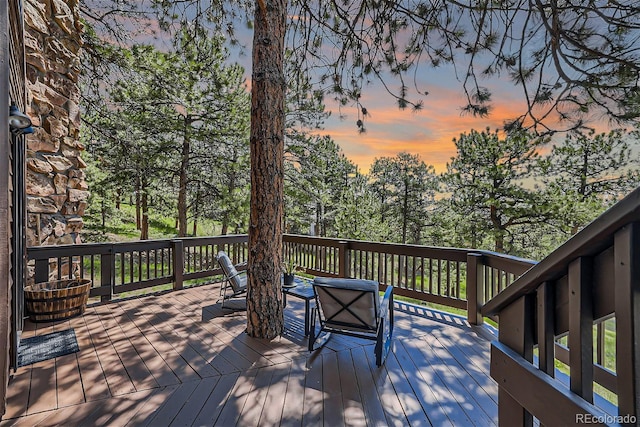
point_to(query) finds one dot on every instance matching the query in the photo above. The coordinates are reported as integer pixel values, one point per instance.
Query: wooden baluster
(581, 327)
(366, 265)
(458, 279)
(487, 284)
(92, 260)
(122, 269)
(439, 287)
(627, 302)
(131, 263)
(431, 276)
(393, 272)
(383, 269)
(546, 333)
(413, 273)
(421, 274)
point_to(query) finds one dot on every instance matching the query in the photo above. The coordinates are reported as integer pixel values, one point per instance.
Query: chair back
(230, 271)
(350, 304)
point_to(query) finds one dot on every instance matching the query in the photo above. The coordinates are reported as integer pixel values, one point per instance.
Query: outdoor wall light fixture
(19, 122)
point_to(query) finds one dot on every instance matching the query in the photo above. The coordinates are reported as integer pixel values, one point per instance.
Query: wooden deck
(177, 359)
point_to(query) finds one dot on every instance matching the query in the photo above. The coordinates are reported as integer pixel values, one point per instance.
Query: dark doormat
(44, 347)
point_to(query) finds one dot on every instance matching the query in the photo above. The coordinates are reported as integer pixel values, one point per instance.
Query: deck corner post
(107, 274)
(178, 264)
(475, 288)
(344, 258)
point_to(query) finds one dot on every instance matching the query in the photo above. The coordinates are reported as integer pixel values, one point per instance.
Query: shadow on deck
(178, 359)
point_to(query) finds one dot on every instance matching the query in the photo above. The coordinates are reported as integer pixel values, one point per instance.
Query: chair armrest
(387, 300)
(239, 273)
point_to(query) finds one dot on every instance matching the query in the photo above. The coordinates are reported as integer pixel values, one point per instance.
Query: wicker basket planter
(56, 300)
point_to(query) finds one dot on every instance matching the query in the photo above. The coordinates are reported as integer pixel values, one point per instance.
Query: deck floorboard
(178, 359)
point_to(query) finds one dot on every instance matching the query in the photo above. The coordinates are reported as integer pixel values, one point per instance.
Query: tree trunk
(138, 220)
(498, 230)
(196, 211)
(231, 188)
(264, 299)
(103, 211)
(474, 235)
(182, 190)
(144, 207)
(405, 208)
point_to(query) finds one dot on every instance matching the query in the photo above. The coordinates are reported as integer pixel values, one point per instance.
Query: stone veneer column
(56, 188)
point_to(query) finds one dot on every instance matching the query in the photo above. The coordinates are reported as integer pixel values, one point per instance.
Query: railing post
(545, 315)
(107, 272)
(344, 259)
(178, 264)
(627, 301)
(475, 288)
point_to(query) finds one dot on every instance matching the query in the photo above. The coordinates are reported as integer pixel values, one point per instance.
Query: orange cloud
(428, 133)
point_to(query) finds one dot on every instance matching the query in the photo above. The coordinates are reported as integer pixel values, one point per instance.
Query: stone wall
(56, 188)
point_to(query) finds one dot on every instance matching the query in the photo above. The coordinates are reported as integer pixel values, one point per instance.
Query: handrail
(127, 266)
(431, 274)
(590, 281)
(589, 241)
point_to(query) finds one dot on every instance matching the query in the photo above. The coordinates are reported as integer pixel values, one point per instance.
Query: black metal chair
(353, 307)
(235, 280)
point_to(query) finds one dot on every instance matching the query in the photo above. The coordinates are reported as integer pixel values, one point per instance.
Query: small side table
(303, 290)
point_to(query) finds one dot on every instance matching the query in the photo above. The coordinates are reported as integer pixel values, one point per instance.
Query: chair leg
(312, 329)
(379, 344)
(319, 337)
(383, 341)
(223, 293)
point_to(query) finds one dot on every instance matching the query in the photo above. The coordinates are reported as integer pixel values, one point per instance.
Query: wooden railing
(115, 268)
(586, 293)
(430, 274)
(458, 278)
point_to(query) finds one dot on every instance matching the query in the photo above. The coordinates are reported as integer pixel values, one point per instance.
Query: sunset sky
(428, 133)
